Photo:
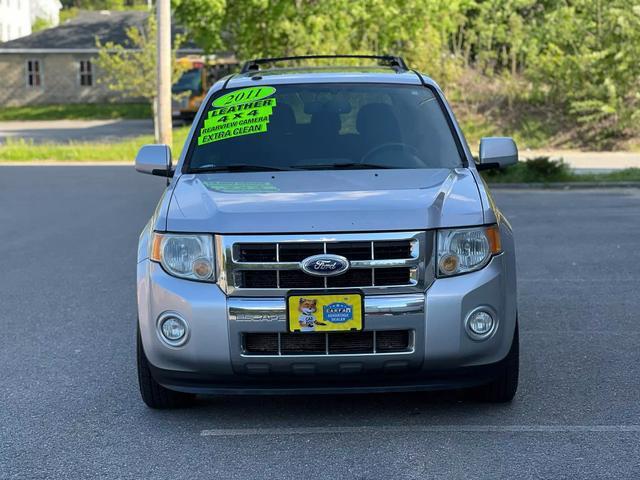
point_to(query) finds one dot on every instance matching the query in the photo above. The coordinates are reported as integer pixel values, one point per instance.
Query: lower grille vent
(372, 342)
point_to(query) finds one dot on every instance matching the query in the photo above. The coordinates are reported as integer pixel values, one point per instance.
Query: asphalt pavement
(67, 131)
(69, 404)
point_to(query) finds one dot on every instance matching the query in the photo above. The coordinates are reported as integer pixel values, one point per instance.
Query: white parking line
(580, 280)
(244, 432)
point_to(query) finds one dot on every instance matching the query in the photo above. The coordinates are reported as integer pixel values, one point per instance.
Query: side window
(85, 73)
(34, 73)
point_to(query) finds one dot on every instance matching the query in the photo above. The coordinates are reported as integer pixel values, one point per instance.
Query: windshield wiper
(238, 168)
(346, 165)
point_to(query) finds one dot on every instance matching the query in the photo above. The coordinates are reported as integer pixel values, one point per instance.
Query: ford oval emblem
(325, 265)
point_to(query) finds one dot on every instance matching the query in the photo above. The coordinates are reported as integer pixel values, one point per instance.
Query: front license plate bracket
(325, 312)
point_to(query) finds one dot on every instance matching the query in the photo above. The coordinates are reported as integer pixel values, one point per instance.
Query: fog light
(480, 324)
(173, 329)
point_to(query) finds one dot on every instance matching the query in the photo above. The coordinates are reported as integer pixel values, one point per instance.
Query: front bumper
(442, 355)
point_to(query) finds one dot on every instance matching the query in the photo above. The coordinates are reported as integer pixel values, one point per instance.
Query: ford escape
(326, 230)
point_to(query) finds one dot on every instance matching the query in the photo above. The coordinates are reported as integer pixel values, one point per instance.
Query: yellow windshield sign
(241, 112)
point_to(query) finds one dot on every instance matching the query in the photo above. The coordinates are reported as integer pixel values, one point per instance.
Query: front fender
(143, 241)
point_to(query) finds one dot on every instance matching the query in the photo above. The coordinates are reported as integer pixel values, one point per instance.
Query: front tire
(153, 394)
(503, 388)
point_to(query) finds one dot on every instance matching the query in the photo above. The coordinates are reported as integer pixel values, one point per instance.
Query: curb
(563, 185)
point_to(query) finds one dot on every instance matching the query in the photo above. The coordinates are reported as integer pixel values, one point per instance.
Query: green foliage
(577, 60)
(590, 63)
(204, 21)
(545, 170)
(626, 175)
(40, 24)
(68, 14)
(132, 72)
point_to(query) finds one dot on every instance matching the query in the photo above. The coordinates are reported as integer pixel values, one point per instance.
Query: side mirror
(497, 152)
(154, 160)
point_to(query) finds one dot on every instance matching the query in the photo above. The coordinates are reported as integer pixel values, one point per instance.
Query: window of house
(86, 73)
(34, 73)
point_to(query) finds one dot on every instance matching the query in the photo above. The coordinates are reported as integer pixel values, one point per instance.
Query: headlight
(463, 250)
(185, 256)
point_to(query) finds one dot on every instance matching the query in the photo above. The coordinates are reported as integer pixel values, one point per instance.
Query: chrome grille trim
(420, 262)
(390, 263)
(274, 309)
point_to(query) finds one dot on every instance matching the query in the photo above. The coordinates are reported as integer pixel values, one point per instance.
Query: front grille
(295, 279)
(353, 250)
(366, 342)
(352, 278)
(258, 279)
(296, 252)
(257, 252)
(392, 249)
(271, 264)
(393, 276)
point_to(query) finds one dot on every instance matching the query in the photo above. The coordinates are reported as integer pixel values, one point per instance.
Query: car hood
(324, 201)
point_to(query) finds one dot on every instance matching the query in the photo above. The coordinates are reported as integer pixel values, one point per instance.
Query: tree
(40, 24)
(416, 28)
(131, 69)
(577, 59)
(203, 18)
(588, 61)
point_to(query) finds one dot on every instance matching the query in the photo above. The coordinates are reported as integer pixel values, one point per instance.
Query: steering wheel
(393, 146)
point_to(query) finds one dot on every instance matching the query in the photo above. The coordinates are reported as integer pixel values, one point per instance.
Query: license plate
(307, 312)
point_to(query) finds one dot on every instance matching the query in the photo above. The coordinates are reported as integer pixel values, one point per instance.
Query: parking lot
(74, 131)
(69, 402)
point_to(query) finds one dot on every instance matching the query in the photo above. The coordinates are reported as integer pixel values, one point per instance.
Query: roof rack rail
(392, 61)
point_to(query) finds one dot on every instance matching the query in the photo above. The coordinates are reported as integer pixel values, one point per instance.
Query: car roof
(282, 76)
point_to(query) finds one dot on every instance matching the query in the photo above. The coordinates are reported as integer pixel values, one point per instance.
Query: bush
(539, 169)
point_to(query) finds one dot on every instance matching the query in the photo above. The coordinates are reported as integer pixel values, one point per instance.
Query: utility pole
(163, 8)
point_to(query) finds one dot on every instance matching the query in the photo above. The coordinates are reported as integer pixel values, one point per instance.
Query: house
(17, 16)
(15, 19)
(56, 65)
(47, 10)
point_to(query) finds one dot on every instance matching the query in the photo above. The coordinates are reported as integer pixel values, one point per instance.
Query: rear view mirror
(154, 160)
(497, 152)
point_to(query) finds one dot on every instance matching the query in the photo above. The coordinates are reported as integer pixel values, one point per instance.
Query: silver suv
(326, 230)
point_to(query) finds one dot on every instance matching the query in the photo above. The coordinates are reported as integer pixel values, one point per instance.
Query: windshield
(320, 126)
(190, 80)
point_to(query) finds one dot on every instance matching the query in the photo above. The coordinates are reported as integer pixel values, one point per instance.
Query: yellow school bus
(200, 73)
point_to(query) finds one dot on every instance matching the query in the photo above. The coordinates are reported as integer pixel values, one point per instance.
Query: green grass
(26, 151)
(544, 170)
(626, 175)
(76, 111)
